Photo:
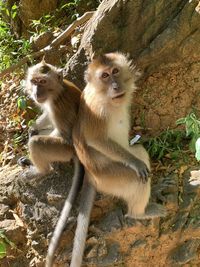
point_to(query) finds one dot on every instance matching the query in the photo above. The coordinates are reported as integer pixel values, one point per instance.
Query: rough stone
(139, 243)
(111, 221)
(30, 10)
(186, 251)
(164, 45)
(103, 255)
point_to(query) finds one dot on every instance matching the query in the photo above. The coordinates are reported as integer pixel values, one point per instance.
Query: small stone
(180, 221)
(92, 252)
(185, 252)
(112, 221)
(102, 249)
(139, 243)
(92, 240)
(4, 212)
(53, 198)
(112, 257)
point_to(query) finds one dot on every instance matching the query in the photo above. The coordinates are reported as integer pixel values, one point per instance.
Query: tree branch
(64, 35)
(71, 28)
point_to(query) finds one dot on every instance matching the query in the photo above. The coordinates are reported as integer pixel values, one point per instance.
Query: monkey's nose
(115, 86)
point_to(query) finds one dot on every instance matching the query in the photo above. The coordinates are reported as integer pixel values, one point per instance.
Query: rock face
(29, 212)
(30, 10)
(27, 11)
(163, 39)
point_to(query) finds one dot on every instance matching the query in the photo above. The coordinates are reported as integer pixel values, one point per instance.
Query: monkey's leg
(77, 181)
(47, 149)
(86, 203)
(121, 181)
(153, 209)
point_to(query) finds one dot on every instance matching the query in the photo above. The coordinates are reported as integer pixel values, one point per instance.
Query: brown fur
(100, 138)
(101, 134)
(59, 99)
(61, 106)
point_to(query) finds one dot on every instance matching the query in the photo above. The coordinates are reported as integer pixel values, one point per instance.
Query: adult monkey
(101, 141)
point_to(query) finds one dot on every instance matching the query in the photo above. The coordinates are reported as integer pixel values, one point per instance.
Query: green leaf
(7, 12)
(14, 14)
(14, 7)
(197, 147)
(2, 249)
(21, 103)
(180, 121)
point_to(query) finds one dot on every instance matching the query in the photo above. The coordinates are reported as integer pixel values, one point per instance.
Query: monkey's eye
(115, 71)
(33, 81)
(104, 75)
(38, 81)
(42, 81)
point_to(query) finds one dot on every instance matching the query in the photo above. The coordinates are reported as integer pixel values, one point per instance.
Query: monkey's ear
(102, 59)
(87, 76)
(60, 75)
(92, 56)
(43, 60)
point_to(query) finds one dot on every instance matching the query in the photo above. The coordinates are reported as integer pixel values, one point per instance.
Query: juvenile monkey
(101, 141)
(59, 99)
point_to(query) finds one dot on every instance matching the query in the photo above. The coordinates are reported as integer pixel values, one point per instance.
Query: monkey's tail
(86, 203)
(77, 182)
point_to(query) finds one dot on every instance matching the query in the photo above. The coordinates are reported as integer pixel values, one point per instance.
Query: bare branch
(71, 28)
(64, 35)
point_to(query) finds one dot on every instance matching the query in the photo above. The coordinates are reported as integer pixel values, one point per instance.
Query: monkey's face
(43, 82)
(110, 83)
(111, 78)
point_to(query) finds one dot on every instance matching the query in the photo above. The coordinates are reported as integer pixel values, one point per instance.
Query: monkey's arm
(42, 122)
(116, 152)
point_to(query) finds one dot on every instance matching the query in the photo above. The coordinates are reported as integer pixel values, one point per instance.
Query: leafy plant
(192, 127)
(168, 142)
(11, 48)
(4, 242)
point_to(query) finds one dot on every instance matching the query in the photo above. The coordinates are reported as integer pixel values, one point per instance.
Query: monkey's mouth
(117, 96)
(41, 99)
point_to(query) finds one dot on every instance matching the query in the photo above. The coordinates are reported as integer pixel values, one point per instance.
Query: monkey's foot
(195, 177)
(24, 162)
(32, 173)
(153, 210)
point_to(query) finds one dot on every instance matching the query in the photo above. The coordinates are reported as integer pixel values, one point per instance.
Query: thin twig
(64, 35)
(71, 28)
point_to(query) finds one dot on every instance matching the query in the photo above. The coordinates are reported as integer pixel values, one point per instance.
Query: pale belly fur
(118, 130)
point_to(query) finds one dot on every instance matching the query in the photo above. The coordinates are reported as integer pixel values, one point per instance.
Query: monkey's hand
(141, 169)
(32, 132)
